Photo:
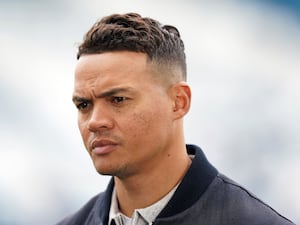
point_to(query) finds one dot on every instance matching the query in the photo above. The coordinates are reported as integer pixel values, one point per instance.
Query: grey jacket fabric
(204, 197)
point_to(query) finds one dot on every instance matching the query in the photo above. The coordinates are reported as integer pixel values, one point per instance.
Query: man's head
(131, 32)
(130, 95)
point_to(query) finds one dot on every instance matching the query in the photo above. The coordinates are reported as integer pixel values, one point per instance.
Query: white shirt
(144, 216)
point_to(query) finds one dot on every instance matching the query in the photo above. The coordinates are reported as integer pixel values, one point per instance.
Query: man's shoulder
(84, 214)
(236, 203)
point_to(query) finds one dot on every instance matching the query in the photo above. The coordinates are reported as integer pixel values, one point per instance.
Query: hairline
(157, 67)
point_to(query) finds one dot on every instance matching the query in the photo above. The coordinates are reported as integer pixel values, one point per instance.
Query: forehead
(111, 62)
(111, 66)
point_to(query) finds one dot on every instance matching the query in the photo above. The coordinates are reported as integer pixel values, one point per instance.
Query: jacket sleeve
(82, 216)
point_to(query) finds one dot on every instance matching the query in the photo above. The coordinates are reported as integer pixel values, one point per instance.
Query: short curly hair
(131, 32)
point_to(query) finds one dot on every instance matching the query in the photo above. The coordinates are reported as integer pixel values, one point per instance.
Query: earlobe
(181, 99)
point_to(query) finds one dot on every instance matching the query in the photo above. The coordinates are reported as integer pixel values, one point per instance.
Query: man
(131, 94)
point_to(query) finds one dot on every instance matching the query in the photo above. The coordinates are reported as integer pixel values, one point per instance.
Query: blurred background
(243, 66)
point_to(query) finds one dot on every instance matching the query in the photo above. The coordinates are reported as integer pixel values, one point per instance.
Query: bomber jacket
(204, 197)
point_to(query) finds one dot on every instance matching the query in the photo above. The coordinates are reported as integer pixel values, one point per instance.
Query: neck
(144, 189)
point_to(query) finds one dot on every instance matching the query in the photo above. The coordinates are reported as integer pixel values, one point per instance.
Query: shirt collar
(148, 214)
(151, 212)
(114, 209)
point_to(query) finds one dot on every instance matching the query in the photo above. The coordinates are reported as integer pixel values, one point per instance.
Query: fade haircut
(131, 32)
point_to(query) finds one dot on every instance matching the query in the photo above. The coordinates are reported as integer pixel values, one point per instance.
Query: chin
(104, 171)
(121, 173)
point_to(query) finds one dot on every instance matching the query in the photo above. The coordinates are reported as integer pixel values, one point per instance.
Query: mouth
(102, 147)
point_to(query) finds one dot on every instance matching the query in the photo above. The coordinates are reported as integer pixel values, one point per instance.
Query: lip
(102, 147)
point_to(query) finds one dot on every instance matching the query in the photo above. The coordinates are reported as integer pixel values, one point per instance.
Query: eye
(118, 99)
(82, 106)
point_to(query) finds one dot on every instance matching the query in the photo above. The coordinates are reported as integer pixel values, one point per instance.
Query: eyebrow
(114, 91)
(79, 99)
(104, 94)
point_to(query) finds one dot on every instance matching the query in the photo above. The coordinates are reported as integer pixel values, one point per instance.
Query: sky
(244, 69)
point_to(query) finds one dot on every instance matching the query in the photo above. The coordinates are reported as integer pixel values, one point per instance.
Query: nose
(100, 120)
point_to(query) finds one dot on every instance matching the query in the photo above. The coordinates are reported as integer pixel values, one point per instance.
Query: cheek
(142, 123)
(80, 126)
(144, 126)
(83, 131)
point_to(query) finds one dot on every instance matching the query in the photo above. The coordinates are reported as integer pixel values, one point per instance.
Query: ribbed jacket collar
(193, 185)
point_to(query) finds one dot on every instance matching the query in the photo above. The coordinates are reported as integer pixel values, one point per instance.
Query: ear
(181, 97)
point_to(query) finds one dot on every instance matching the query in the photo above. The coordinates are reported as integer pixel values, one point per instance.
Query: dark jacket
(204, 197)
